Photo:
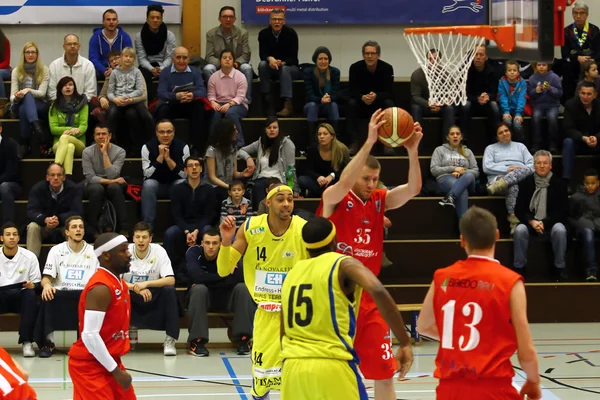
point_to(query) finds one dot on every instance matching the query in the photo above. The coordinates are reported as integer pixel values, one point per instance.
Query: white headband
(111, 244)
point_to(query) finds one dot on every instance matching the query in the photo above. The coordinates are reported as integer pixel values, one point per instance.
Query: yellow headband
(279, 189)
(323, 242)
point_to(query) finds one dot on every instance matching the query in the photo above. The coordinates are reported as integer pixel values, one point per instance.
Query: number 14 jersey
(472, 314)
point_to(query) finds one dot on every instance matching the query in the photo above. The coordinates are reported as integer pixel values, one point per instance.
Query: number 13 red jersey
(359, 227)
(472, 314)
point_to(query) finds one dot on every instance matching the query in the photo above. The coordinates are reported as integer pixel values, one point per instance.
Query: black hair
(7, 225)
(155, 7)
(221, 137)
(192, 158)
(315, 230)
(588, 84)
(224, 51)
(590, 172)
(142, 226)
(212, 232)
(109, 11)
(164, 121)
(225, 8)
(102, 125)
(272, 144)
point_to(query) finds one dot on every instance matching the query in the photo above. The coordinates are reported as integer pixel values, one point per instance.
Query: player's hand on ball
(228, 228)
(404, 357)
(122, 377)
(413, 142)
(531, 390)
(376, 122)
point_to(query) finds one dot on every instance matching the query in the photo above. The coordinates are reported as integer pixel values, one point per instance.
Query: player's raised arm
(525, 350)
(426, 324)
(230, 254)
(355, 272)
(398, 196)
(334, 194)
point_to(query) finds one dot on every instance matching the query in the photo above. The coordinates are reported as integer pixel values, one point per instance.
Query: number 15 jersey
(472, 313)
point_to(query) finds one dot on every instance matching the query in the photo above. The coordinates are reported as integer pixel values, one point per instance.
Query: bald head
(71, 44)
(181, 58)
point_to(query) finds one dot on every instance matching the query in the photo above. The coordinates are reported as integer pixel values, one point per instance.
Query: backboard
(538, 27)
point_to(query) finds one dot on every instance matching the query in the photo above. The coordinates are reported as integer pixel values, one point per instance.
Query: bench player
(357, 209)
(479, 309)
(320, 298)
(271, 244)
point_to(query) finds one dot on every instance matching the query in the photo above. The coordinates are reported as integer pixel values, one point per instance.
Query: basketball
(398, 127)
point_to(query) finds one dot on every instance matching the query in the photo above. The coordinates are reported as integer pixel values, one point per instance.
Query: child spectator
(262, 207)
(545, 90)
(589, 72)
(511, 96)
(236, 204)
(584, 217)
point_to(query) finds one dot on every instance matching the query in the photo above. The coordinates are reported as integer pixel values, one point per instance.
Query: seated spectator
(581, 125)
(322, 86)
(227, 36)
(511, 95)
(10, 176)
(371, 82)
(420, 105)
(28, 88)
(106, 39)
(582, 43)
(275, 158)
(482, 90)
(271, 184)
(163, 161)
(454, 167)
(18, 283)
(151, 281)
(102, 163)
(4, 62)
(51, 202)
(72, 64)
(325, 162)
(154, 44)
(193, 207)
(221, 159)
(278, 48)
(69, 267)
(506, 163)
(227, 94)
(236, 204)
(584, 218)
(589, 72)
(544, 89)
(179, 95)
(114, 60)
(127, 94)
(210, 292)
(68, 117)
(542, 207)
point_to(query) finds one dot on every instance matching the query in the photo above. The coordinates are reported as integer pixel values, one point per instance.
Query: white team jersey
(70, 270)
(155, 265)
(23, 267)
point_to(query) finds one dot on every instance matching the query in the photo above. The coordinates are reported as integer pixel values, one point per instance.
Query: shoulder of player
(28, 254)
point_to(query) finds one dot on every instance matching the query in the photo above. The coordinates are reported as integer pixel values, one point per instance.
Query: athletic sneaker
(28, 350)
(448, 200)
(47, 349)
(244, 348)
(591, 277)
(169, 346)
(198, 349)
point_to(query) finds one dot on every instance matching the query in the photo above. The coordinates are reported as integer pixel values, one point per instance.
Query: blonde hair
(130, 51)
(320, 76)
(39, 67)
(461, 147)
(339, 151)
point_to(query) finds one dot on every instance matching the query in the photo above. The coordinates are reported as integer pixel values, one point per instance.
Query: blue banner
(405, 12)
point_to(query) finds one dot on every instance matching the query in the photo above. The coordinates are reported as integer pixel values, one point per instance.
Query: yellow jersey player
(272, 244)
(319, 306)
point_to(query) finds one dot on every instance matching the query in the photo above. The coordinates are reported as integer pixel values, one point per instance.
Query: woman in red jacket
(4, 62)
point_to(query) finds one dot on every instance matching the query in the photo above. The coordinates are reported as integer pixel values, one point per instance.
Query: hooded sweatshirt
(549, 98)
(100, 47)
(511, 96)
(445, 159)
(584, 208)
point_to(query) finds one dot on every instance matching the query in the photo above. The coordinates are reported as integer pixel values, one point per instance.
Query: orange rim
(504, 36)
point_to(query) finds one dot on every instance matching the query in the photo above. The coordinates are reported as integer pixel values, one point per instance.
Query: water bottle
(289, 176)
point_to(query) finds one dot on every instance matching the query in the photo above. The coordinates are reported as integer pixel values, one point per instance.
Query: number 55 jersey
(472, 314)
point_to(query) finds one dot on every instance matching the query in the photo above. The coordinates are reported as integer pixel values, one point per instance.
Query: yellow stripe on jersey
(319, 319)
(268, 259)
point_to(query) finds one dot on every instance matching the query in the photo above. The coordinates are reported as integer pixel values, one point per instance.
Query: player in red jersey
(479, 310)
(357, 209)
(13, 380)
(104, 311)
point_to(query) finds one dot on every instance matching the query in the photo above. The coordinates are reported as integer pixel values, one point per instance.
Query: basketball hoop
(454, 47)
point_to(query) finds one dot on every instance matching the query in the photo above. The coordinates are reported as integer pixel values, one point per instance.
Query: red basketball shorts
(373, 342)
(91, 381)
(489, 389)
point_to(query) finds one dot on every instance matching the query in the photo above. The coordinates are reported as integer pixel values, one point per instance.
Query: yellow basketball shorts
(321, 379)
(266, 352)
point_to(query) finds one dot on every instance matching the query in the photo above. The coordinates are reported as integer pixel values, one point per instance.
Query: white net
(445, 58)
